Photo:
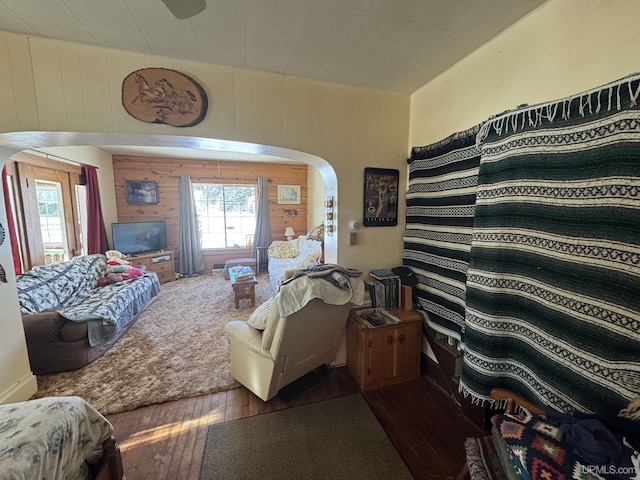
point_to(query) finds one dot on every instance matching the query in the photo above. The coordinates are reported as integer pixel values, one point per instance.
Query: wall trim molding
(21, 390)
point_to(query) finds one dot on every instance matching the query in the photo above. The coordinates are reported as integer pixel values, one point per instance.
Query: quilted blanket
(56, 437)
(71, 289)
(49, 287)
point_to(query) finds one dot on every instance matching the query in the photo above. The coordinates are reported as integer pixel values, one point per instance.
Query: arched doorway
(13, 142)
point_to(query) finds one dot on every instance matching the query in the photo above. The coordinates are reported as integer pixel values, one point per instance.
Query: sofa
(69, 320)
(288, 256)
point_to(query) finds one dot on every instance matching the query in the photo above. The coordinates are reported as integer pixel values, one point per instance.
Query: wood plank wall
(166, 171)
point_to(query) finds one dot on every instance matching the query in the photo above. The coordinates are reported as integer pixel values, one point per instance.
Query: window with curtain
(227, 214)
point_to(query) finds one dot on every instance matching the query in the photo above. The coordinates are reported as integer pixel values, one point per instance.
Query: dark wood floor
(166, 441)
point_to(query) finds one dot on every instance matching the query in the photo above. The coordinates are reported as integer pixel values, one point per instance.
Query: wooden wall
(166, 171)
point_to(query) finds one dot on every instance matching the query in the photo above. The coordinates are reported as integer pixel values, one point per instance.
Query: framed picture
(289, 194)
(142, 192)
(380, 197)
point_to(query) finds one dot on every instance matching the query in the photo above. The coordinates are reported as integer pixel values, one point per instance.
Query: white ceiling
(396, 45)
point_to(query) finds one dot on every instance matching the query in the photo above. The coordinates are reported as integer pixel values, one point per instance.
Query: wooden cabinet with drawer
(159, 262)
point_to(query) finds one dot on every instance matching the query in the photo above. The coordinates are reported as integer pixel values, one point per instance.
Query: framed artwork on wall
(380, 197)
(289, 194)
(161, 95)
(141, 192)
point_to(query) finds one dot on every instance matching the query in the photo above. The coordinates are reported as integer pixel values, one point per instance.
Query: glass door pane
(52, 221)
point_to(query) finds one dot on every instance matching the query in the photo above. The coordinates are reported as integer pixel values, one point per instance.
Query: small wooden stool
(243, 289)
(237, 262)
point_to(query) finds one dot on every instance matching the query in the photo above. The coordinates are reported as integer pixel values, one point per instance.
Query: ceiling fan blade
(182, 9)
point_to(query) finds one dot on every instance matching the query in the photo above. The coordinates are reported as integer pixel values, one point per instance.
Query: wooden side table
(384, 355)
(245, 289)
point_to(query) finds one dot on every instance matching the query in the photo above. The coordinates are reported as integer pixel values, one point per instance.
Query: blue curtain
(262, 236)
(190, 249)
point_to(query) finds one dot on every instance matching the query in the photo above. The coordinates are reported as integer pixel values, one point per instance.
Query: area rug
(176, 349)
(338, 438)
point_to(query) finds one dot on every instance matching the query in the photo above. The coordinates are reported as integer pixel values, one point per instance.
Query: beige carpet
(176, 349)
(334, 439)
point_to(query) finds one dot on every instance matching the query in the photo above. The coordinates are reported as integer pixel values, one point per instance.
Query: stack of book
(242, 274)
(383, 288)
(376, 317)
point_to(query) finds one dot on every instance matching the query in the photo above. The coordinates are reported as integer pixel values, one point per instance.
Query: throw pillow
(272, 324)
(258, 319)
(284, 249)
(316, 233)
(312, 259)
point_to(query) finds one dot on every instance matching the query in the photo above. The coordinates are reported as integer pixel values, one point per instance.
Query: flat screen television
(132, 238)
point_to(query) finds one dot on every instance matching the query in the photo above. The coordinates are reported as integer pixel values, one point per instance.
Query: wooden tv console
(160, 262)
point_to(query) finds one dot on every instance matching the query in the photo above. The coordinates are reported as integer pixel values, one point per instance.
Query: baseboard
(20, 391)
(341, 354)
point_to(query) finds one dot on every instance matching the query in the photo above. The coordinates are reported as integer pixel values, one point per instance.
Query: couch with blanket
(69, 320)
(287, 256)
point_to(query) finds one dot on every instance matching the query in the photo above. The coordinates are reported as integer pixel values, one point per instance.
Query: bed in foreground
(57, 438)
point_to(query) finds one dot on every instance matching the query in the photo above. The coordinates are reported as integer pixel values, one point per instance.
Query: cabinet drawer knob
(389, 340)
(401, 338)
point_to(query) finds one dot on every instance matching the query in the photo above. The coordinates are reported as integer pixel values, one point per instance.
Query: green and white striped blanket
(553, 287)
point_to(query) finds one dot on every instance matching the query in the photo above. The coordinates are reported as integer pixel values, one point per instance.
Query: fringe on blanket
(631, 411)
(617, 95)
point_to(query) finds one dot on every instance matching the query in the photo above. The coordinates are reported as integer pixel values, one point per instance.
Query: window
(51, 212)
(227, 214)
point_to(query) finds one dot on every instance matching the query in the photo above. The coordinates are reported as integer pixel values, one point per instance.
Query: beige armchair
(289, 347)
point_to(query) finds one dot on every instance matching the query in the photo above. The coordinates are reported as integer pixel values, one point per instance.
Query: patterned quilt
(55, 437)
(71, 289)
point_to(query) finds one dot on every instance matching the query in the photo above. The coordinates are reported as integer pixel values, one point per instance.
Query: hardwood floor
(167, 441)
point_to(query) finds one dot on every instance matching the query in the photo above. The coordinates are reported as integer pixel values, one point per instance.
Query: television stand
(161, 263)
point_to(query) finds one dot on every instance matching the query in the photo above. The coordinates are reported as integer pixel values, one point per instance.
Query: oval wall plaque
(160, 95)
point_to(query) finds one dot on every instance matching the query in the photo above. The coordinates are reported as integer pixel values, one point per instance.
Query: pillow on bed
(284, 249)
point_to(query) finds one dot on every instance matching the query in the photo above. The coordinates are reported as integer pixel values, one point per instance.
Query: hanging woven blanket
(440, 208)
(553, 289)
